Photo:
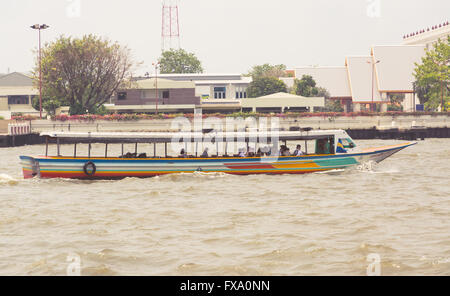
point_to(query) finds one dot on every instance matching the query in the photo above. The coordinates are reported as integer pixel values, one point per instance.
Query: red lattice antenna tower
(170, 33)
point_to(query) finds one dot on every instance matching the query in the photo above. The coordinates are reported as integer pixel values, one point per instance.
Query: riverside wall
(357, 122)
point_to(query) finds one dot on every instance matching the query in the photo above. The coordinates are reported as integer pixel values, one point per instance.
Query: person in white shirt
(298, 151)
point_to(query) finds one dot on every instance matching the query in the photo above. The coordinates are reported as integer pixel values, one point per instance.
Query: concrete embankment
(359, 127)
(21, 140)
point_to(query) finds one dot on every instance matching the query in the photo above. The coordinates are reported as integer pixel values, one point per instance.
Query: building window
(18, 100)
(122, 96)
(165, 94)
(220, 93)
(241, 92)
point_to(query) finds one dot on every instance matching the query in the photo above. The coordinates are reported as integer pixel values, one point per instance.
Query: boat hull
(117, 168)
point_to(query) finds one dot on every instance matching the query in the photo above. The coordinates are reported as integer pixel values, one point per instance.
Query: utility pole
(156, 83)
(373, 70)
(39, 28)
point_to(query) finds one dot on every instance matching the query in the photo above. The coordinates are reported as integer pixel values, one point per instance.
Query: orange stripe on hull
(296, 165)
(249, 167)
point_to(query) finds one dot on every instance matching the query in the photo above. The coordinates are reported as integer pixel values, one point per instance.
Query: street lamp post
(156, 84)
(373, 69)
(39, 28)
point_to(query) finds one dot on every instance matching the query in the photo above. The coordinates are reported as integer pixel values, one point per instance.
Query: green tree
(330, 105)
(267, 70)
(49, 105)
(396, 100)
(306, 87)
(264, 86)
(433, 76)
(82, 73)
(179, 61)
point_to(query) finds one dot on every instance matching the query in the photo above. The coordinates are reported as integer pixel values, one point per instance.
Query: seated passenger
(205, 153)
(298, 151)
(284, 151)
(183, 153)
(241, 152)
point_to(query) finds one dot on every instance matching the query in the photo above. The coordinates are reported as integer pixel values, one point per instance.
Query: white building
(334, 79)
(16, 94)
(218, 92)
(428, 36)
(371, 78)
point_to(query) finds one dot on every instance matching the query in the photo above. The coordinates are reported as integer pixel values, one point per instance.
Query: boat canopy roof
(167, 137)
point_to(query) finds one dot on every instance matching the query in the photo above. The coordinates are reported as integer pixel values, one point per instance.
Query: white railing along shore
(15, 129)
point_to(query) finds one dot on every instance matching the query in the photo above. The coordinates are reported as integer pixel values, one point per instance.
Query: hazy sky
(228, 36)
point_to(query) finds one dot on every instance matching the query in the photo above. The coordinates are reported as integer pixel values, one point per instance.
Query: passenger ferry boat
(322, 150)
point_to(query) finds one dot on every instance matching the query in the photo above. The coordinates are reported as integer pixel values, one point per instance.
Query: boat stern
(30, 167)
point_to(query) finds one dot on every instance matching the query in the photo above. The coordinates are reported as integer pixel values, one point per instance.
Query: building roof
(244, 80)
(429, 34)
(162, 84)
(282, 99)
(333, 79)
(360, 79)
(396, 67)
(15, 79)
(199, 76)
(17, 84)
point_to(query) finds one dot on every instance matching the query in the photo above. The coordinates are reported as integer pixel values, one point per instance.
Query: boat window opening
(247, 145)
(347, 143)
(325, 146)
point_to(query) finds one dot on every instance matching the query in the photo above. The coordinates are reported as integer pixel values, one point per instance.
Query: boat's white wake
(7, 180)
(368, 166)
(332, 172)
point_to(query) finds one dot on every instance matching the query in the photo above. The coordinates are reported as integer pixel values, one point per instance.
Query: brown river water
(216, 224)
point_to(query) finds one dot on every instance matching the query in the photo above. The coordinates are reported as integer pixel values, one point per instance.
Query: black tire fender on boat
(89, 168)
